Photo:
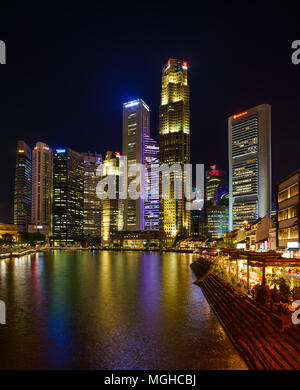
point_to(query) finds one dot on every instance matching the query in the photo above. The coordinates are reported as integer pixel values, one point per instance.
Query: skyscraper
(67, 206)
(216, 202)
(140, 148)
(174, 145)
(214, 179)
(151, 203)
(111, 208)
(23, 180)
(41, 189)
(91, 203)
(249, 141)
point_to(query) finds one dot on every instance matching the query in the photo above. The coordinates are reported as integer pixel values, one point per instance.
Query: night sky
(69, 70)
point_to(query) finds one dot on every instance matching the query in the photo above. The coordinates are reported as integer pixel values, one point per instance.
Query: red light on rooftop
(214, 171)
(184, 63)
(236, 116)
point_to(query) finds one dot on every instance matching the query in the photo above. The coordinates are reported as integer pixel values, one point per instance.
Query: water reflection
(108, 310)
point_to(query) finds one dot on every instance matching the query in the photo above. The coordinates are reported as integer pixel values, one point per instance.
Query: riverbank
(16, 253)
(122, 249)
(259, 335)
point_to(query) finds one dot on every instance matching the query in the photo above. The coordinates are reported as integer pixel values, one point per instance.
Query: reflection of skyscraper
(174, 144)
(249, 165)
(67, 206)
(41, 188)
(91, 203)
(23, 180)
(136, 125)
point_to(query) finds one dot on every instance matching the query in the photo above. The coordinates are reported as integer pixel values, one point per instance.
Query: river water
(108, 310)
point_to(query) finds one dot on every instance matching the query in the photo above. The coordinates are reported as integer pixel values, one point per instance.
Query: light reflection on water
(108, 310)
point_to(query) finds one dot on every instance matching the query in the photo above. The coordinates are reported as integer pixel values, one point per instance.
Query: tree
(7, 237)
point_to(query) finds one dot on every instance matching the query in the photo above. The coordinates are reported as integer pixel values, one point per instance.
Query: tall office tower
(41, 189)
(67, 200)
(214, 179)
(249, 142)
(197, 216)
(111, 208)
(217, 220)
(136, 125)
(23, 180)
(91, 203)
(174, 146)
(151, 203)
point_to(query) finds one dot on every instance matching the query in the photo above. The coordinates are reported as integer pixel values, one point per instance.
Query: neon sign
(236, 116)
(214, 171)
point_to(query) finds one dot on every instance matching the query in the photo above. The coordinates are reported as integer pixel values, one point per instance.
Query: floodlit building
(214, 179)
(151, 188)
(23, 183)
(140, 148)
(111, 207)
(288, 212)
(249, 140)
(174, 145)
(91, 202)
(67, 201)
(8, 230)
(41, 189)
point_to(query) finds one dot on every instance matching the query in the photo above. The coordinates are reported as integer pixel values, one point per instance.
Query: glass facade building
(91, 203)
(41, 188)
(67, 201)
(249, 135)
(23, 187)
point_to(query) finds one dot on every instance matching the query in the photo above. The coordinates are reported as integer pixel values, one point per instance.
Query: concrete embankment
(253, 329)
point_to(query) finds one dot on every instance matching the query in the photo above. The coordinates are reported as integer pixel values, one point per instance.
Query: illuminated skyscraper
(91, 203)
(111, 208)
(67, 201)
(151, 203)
(140, 148)
(174, 145)
(249, 134)
(41, 189)
(214, 179)
(23, 180)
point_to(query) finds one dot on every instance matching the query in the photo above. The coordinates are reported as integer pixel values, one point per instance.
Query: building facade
(151, 188)
(41, 189)
(112, 210)
(91, 202)
(136, 125)
(140, 148)
(174, 145)
(249, 142)
(217, 220)
(214, 179)
(288, 212)
(67, 201)
(23, 182)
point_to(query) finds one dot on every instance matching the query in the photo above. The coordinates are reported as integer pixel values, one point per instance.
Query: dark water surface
(108, 310)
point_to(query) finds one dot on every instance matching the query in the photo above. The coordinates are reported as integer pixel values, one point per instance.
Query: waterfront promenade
(257, 333)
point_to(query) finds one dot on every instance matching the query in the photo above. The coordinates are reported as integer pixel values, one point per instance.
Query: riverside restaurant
(252, 268)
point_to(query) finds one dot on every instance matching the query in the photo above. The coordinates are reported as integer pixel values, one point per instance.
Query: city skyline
(234, 69)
